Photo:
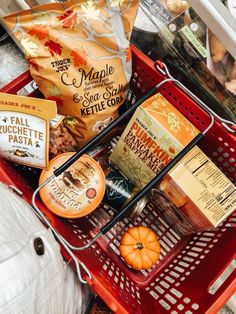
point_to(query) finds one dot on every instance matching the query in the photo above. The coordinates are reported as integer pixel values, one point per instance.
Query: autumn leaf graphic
(39, 32)
(116, 2)
(54, 47)
(29, 47)
(89, 10)
(79, 57)
(172, 151)
(128, 54)
(34, 64)
(173, 121)
(68, 19)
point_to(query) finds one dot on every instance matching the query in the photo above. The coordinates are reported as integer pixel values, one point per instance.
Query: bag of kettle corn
(79, 55)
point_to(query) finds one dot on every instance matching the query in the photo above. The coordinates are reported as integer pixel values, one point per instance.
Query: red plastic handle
(17, 84)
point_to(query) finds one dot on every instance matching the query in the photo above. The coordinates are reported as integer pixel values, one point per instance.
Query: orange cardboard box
(156, 133)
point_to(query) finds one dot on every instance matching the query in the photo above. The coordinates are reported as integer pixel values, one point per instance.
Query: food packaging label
(118, 189)
(195, 195)
(156, 133)
(24, 129)
(80, 56)
(202, 183)
(77, 191)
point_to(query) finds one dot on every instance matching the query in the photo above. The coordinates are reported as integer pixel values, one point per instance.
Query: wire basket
(187, 278)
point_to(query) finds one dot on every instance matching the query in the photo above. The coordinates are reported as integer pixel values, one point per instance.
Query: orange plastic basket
(185, 278)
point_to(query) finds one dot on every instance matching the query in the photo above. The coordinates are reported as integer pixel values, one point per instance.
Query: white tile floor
(10, 55)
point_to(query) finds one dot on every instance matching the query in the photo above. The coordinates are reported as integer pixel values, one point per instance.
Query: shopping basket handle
(230, 126)
(162, 68)
(117, 217)
(103, 133)
(147, 188)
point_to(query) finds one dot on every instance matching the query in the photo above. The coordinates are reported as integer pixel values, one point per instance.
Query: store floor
(12, 62)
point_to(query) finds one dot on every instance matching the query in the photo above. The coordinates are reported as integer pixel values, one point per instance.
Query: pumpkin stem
(139, 246)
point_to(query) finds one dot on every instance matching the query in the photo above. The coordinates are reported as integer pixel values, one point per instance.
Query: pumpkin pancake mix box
(156, 133)
(79, 56)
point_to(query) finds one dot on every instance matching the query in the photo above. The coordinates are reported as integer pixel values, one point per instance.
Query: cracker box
(156, 133)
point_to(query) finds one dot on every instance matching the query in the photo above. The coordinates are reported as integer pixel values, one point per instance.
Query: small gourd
(140, 247)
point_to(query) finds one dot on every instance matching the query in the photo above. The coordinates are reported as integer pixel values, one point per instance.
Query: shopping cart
(186, 279)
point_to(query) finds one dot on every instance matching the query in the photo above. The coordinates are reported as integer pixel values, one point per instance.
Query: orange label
(170, 118)
(155, 134)
(77, 191)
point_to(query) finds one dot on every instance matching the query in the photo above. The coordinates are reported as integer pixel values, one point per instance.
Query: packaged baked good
(79, 55)
(60, 139)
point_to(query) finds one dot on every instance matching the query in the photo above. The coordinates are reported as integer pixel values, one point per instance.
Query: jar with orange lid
(77, 191)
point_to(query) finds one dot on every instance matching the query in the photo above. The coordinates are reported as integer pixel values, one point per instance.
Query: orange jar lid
(77, 191)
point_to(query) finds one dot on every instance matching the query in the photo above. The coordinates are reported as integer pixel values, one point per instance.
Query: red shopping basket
(187, 277)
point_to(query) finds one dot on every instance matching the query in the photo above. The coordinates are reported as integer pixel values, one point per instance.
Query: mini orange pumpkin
(140, 247)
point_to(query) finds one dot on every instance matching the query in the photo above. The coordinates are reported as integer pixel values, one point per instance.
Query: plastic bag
(32, 282)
